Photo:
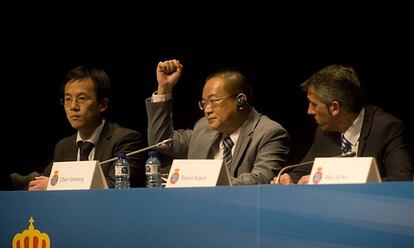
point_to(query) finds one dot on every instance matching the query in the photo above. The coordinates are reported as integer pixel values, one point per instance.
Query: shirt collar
(234, 136)
(354, 131)
(95, 135)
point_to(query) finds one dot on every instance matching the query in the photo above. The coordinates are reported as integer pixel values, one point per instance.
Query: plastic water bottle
(122, 172)
(152, 170)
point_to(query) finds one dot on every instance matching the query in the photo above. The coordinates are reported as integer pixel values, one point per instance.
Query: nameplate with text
(344, 170)
(197, 173)
(75, 175)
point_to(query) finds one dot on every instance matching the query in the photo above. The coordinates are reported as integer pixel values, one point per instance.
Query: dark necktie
(85, 148)
(345, 145)
(227, 145)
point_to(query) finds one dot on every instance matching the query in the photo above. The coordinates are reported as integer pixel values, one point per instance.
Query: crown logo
(31, 238)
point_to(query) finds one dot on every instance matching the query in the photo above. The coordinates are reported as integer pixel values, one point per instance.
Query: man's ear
(334, 108)
(103, 104)
(241, 101)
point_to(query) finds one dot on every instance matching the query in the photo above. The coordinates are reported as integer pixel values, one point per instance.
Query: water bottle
(121, 172)
(152, 170)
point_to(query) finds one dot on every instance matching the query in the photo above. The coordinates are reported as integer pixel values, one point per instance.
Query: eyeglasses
(80, 100)
(212, 102)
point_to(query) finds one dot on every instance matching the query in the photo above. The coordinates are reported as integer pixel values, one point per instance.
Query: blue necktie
(345, 145)
(227, 145)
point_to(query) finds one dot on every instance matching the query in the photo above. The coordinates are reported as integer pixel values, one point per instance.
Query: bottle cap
(152, 153)
(122, 155)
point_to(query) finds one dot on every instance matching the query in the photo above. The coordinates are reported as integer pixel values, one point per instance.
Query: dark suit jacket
(261, 150)
(114, 139)
(383, 136)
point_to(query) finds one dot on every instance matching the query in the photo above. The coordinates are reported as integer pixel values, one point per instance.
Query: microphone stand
(158, 145)
(290, 167)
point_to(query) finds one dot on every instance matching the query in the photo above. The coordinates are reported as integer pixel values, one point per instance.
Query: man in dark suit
(86, 97)
(336, 102)
(253, 147)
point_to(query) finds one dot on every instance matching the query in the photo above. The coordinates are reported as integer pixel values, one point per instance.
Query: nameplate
(76, 175)
(344, 170)
(197, 173)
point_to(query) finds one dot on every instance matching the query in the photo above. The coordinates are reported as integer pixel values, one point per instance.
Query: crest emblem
(175, 176)
(55, 178)
(318, 176)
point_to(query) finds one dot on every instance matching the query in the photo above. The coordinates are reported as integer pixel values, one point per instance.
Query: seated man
(345, 124)
(85, 100)
(253, 147)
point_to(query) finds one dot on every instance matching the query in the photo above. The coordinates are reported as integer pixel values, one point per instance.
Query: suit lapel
(72, 153)
(103, 142)
(208, 148)
(244, 140)
(366, 128)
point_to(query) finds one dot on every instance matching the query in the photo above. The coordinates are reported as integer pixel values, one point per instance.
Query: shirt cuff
(160, 98)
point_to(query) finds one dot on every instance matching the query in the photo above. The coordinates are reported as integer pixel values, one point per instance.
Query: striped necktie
(227, 145)
(345, 145)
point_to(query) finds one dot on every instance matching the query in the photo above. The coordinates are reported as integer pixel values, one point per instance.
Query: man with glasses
(85, 99)
(253, 147)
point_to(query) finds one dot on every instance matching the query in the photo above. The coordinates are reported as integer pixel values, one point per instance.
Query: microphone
(348, 154)
(158, 145)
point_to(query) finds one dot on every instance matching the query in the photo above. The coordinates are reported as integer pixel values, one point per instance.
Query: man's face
(319, 110)
(220, 107)
(81, 106)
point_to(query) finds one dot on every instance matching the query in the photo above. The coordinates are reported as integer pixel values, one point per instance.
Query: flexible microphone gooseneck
(158, 145)
(348, 154)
